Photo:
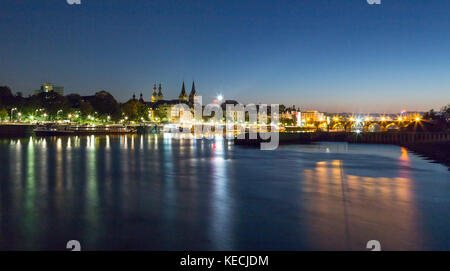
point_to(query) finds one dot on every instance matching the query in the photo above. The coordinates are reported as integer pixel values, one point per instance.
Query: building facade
(49, 87)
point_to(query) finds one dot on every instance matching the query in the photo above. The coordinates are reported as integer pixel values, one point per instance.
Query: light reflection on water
(175, 192)
(347, 199)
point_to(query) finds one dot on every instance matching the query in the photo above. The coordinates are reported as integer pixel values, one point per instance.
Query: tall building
(183, 96)
(48, 87)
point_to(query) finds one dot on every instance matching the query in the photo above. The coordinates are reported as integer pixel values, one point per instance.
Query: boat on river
(52, 130)
(57, 130)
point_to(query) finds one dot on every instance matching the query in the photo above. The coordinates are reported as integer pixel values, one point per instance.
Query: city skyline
(225, 134)
(149, 98)
(333, 57)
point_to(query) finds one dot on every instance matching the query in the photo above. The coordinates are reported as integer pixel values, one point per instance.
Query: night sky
(335, 56)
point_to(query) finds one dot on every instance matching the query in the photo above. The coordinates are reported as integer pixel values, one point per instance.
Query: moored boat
(52, 130)
(107, 129)
(55, 130)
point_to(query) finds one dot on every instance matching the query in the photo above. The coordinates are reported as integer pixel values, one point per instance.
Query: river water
(160, 192)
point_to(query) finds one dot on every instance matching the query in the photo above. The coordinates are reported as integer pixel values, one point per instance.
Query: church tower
(154, 95)
(193, 94)
(183, 96)
(160, 95)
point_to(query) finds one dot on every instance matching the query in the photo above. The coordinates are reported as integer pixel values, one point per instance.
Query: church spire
(183, 95)
(193, 93)
(183, 89)
(160, 95)
(154, 95)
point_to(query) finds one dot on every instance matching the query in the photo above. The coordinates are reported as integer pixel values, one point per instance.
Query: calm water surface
(161, 192)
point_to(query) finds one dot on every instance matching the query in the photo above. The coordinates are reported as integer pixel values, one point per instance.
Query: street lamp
(12, 110)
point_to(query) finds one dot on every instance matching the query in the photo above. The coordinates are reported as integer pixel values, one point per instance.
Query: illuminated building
(164, 107)
(312, 116)
(48, 87)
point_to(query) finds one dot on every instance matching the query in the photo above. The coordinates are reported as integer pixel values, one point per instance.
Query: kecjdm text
(209, 262)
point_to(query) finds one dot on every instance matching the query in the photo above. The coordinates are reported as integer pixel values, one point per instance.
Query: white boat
(54, 130)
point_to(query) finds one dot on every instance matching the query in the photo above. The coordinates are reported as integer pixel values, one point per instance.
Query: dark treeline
(52, 106)
(437, 121)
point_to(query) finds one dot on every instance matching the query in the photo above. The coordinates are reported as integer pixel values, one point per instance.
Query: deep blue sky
(319, 54)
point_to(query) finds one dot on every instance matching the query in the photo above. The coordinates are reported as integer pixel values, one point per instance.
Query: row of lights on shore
(353, 119)
(219, 99)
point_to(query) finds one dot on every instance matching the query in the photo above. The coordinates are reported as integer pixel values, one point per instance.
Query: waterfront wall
(398, 138)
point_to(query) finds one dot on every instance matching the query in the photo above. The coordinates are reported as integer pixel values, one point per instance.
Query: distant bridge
(364, 126)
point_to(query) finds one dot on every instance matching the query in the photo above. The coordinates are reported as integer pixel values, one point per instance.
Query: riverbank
(439, 151)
